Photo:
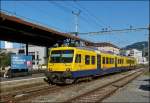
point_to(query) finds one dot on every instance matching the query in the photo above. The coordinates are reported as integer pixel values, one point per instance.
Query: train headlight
(67, 69)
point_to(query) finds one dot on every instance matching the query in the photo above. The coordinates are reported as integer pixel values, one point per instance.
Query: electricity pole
(77, 21)
(149, 45)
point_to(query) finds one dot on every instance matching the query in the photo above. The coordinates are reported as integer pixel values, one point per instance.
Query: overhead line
(79, 8)
(68, 10)
(111, 31)
(90, 13)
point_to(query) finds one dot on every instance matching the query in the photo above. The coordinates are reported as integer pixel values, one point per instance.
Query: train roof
(90, 49)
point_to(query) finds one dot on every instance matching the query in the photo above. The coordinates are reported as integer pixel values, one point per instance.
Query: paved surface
(136, 91)
(2, 79)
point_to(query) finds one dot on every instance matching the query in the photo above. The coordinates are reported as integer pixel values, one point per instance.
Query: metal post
(26, 48)
(77, 21)
(149, 46)
(47, 54)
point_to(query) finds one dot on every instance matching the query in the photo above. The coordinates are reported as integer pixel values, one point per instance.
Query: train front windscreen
(61, 56)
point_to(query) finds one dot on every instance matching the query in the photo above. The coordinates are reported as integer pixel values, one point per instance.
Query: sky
(94, 16)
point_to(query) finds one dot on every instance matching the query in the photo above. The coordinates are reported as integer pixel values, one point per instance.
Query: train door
(115, 61)
(98, 61)
(78, 62)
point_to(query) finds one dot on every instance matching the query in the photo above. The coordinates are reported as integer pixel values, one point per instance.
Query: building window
(37, 56)
(93, 59)
(78, 58)
(87, 59)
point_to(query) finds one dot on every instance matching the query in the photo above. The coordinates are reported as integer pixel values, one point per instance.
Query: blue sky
(94, 16)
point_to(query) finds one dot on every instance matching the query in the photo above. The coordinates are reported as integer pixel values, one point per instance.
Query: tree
(5, 59)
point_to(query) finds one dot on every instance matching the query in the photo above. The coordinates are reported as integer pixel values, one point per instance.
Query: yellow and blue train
(68, 64)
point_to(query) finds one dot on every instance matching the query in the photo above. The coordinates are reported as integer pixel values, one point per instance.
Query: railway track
(27, 93)
(97, 95)
(35, 91)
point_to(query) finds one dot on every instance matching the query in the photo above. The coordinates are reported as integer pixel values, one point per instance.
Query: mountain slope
(138, 45)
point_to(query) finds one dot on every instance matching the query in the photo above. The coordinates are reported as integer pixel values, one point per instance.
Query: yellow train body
(72, 66)
(82, 62)
(107, 60)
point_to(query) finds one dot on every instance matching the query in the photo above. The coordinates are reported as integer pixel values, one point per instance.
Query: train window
(93, 59)
(78, 58)
(61, 56)
(118, 61)
(109, 62)
(106, 60)
(112, 60)
(87, 59)
(127, 61)
(103, 60)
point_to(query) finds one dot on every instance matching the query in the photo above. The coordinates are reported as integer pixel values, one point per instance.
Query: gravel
(74, 91)
(136, 91)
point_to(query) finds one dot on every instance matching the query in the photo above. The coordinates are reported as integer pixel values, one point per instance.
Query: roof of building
(17, 29)
(103, 44)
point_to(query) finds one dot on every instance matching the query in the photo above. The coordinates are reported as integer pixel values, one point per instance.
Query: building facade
(107, 47)
(138, 55)
(10, 45)
(39, 55)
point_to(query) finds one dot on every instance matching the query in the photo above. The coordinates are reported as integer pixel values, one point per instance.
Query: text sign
(21, 61)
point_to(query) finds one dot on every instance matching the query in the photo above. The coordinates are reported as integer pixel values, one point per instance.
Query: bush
(5, 59)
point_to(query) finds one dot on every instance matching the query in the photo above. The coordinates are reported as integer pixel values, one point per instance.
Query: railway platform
(136, 91)
(6, 83)
(2, 79)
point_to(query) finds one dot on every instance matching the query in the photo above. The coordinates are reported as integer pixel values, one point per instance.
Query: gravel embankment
(76, 90)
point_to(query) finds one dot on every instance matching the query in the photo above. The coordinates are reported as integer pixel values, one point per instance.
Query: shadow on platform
(145, 87)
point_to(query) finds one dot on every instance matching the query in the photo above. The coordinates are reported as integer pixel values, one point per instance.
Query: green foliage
(5, 59)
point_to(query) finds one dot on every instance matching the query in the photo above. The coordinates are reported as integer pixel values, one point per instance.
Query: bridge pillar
(46, 54)
(26, 48)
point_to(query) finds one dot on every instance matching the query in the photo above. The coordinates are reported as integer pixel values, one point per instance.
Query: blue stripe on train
(84, 73)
